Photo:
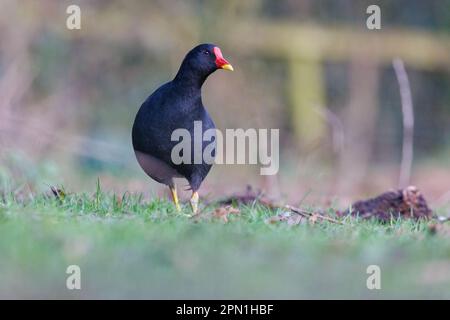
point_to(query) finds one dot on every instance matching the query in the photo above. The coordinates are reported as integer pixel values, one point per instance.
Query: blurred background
(309, 68)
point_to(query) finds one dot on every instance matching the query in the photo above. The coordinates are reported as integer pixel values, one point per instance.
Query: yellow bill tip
(227, 67)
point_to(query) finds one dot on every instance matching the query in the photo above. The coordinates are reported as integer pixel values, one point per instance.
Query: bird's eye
(206, 52)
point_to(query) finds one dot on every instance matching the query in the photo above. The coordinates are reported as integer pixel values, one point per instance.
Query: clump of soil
(404, 203)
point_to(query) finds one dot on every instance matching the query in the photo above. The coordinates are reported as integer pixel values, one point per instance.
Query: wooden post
(306, 92)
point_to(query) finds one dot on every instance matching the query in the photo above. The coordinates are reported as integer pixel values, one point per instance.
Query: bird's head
(203, 60)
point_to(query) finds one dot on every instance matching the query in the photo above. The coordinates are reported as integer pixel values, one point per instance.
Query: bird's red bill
(221, 62)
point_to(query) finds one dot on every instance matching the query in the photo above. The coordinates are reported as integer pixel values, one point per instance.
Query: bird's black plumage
(174, 105)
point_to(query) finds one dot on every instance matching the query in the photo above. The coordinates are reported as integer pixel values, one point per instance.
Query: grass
(128, 247)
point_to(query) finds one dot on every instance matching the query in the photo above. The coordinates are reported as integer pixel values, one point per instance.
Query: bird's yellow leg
(173, 191)
(194, 202)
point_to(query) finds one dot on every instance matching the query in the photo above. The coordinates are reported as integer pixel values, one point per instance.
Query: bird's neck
(189, 80)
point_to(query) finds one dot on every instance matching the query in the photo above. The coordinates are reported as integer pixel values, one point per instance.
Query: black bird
(176, 105)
